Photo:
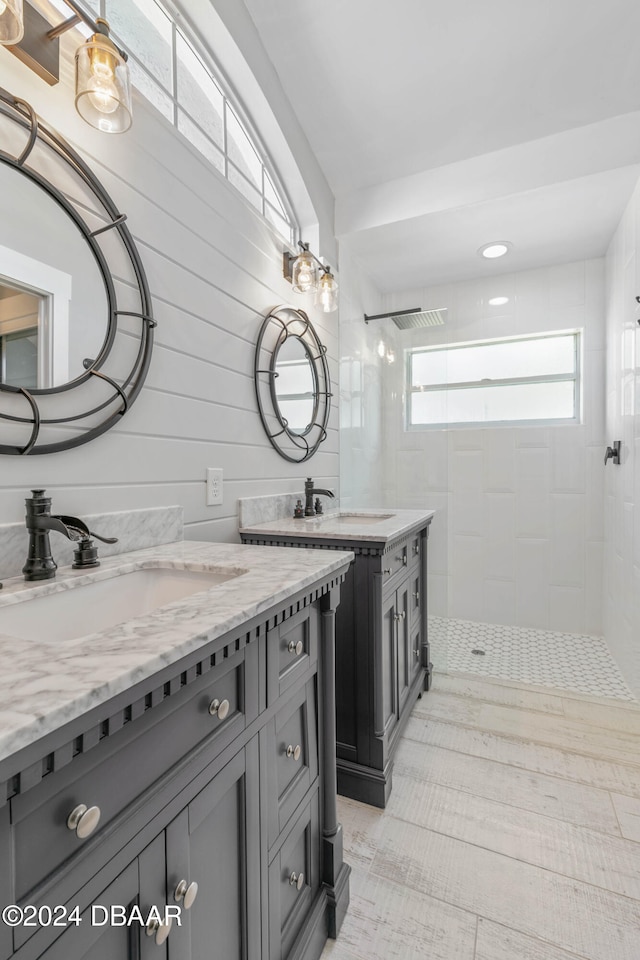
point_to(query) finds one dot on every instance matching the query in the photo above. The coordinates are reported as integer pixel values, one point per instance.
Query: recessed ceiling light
(498, 301)
(497, 248)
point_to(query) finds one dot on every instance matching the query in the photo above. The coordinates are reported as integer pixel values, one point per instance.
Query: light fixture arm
(289, 258)
(97, 26)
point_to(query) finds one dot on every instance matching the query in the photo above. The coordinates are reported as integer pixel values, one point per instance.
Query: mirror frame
(89, 386)
(279, 324)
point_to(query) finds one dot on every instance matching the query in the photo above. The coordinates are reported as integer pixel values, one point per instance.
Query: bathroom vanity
(382, 649)
(183, 756)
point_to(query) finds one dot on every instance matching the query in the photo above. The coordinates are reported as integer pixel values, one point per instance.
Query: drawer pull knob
(294, 752)
(404, 559)
(161, 929)
(219, 708)
(297, 880)
(399, 616)
(387, 570)
(417, 596)
(83, 820)
(295, 648)
(417, 653)
(186, 892)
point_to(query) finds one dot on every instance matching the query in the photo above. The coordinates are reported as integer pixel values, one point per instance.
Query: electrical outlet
(214, 486)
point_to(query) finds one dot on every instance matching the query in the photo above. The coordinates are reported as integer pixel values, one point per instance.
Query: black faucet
(40, 564)
(309, 493)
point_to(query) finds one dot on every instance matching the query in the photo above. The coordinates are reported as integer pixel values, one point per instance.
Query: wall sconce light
(306, 274)
(103, 86)
(11, 21)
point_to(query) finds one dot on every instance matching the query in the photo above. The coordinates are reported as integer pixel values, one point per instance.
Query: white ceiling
(443, 125)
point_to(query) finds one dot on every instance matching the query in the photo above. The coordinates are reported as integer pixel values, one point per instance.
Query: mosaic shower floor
(567, 661)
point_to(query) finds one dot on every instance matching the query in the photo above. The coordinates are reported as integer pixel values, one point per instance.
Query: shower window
(530, 380)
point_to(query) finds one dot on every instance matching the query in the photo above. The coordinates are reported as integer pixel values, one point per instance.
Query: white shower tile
(566, 608)
(499, 601)
(532, 583)
(533, 465)
(499, 473)
(468, 513)
(568, 466)
(567, 548)
(533, 514)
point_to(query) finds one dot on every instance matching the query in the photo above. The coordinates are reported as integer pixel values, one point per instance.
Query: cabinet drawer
(121, 768)
(294, 880)
(292, 757)
(292, 648)
(404, 555)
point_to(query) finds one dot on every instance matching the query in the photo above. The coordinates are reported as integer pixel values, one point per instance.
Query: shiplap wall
(214, 268)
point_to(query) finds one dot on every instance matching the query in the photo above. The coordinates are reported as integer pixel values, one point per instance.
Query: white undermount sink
(355, 518)
(103, 603)
(363, 517)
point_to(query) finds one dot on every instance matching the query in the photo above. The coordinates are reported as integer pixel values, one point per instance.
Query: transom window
(187, 89)
(520, 380)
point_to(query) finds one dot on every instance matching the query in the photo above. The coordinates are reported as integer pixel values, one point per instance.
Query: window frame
(231, 102)
(576, 378)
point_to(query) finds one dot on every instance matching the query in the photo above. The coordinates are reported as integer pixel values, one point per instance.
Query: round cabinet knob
(187, 893)
(295, 648)
(297, 880)
(417, 653)
(83, 820)
(294, 752)
(219, 708)
(160, 929)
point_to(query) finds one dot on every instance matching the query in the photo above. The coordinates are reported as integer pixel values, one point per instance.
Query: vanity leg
(335, 871)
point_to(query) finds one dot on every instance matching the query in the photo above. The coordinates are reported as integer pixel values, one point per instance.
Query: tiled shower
(520, 537)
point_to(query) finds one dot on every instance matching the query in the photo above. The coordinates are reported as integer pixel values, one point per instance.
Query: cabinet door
(214, 843)
(415, 622)
(294, 881)
(403, 643)
(386, 679)
(93, 939)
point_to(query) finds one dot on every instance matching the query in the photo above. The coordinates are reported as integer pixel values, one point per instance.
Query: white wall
(361, 451)
(622, 490)
(214, 268)
(518, 537)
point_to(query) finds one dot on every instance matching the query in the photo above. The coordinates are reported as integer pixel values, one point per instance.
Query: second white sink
(96, 606)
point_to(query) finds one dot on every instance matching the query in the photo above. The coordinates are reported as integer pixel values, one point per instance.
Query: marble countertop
(46, 683)
(379, 525)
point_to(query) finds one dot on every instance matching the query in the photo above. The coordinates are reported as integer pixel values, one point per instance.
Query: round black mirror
(75, 345)
(292, 383)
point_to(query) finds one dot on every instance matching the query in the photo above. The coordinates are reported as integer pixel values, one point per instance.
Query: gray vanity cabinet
(382, 647)
(218, 771)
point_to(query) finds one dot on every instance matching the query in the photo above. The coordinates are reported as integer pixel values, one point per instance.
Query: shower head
(412, 319)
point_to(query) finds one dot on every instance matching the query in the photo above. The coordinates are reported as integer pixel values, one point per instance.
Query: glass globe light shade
(304, 274)
(103, 88)
(11, 21)
(327, 292)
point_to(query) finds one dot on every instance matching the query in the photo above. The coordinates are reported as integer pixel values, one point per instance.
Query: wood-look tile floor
(512, 832)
